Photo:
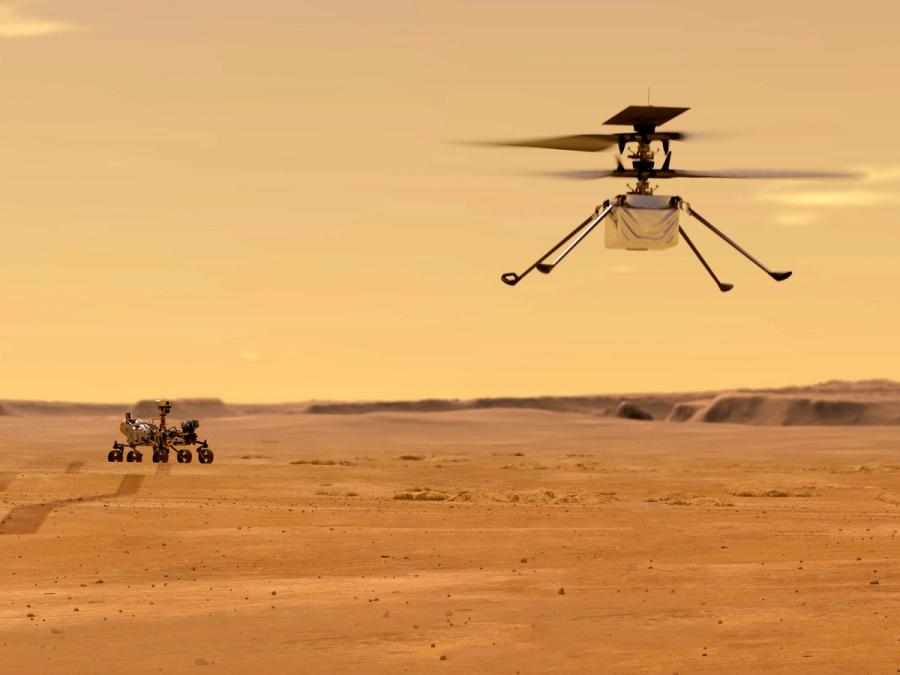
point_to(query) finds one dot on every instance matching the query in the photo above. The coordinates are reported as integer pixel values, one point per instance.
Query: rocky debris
(688, 499)
(804, 491)
(422, 495)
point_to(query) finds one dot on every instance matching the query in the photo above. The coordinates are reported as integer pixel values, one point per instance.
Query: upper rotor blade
(754, 173)
(579, 142)
(590, 142)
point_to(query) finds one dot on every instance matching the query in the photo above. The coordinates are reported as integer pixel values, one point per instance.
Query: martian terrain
(734, 532)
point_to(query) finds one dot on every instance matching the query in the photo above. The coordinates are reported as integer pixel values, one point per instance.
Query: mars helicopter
(161, 438)
(641, 220)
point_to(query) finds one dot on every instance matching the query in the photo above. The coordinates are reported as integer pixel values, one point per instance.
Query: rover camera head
(190, 426)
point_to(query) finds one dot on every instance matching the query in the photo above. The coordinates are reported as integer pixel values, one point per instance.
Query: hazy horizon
(438, 397)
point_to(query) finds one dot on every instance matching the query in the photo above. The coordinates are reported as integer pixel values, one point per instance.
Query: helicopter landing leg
(777, 276)
(722, 287)
(511, 278)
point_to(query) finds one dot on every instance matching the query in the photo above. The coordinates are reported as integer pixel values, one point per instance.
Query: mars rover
(162, 439)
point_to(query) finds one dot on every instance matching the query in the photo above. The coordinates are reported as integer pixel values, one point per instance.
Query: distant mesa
(424, 405)
(57, 408)
(685, 412)
(797, 411)
(831, 403)
(630, 411)
(185, 408)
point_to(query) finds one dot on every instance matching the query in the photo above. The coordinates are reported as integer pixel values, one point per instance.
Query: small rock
(874, 582)
(443, 657)
(562, 591)
(201, 662)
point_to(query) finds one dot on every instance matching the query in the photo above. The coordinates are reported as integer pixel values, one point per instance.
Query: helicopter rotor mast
(644, 120)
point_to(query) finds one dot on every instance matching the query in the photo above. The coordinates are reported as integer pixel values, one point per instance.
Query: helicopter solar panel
(649, 114)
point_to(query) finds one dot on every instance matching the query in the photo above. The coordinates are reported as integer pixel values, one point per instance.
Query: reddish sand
(691, 548)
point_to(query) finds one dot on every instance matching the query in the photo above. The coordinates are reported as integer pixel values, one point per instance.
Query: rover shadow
(30, 518)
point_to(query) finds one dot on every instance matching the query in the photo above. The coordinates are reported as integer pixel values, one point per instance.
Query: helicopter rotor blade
(578, 142)
(589, 142)
(760, 174)
(664, 172)
(591, 174)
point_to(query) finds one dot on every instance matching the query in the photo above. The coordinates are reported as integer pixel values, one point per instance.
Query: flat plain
(501, 540)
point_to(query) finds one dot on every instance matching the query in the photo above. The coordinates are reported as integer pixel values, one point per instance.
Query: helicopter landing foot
(777, 276)
(724, 287)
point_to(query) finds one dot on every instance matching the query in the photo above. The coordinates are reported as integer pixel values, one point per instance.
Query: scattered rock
(422, 494)
(804, 491)
(562, 591)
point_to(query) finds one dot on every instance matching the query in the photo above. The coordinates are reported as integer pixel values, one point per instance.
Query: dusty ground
(680, 548)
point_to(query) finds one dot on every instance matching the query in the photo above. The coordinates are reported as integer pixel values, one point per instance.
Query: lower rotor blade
(763, 174)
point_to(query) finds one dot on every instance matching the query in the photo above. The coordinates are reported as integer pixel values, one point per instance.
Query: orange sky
(256, 200)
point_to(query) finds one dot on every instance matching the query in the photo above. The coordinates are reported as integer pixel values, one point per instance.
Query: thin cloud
(884, 174)
(795, 218)
(832, 198)
(15, 22)
(880, 187)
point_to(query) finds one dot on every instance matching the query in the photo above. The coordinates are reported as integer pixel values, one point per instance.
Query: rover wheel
(130, 457)
(113, 456)
(157, 456)
(138, 456)
(205, 455)
(185, 456)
